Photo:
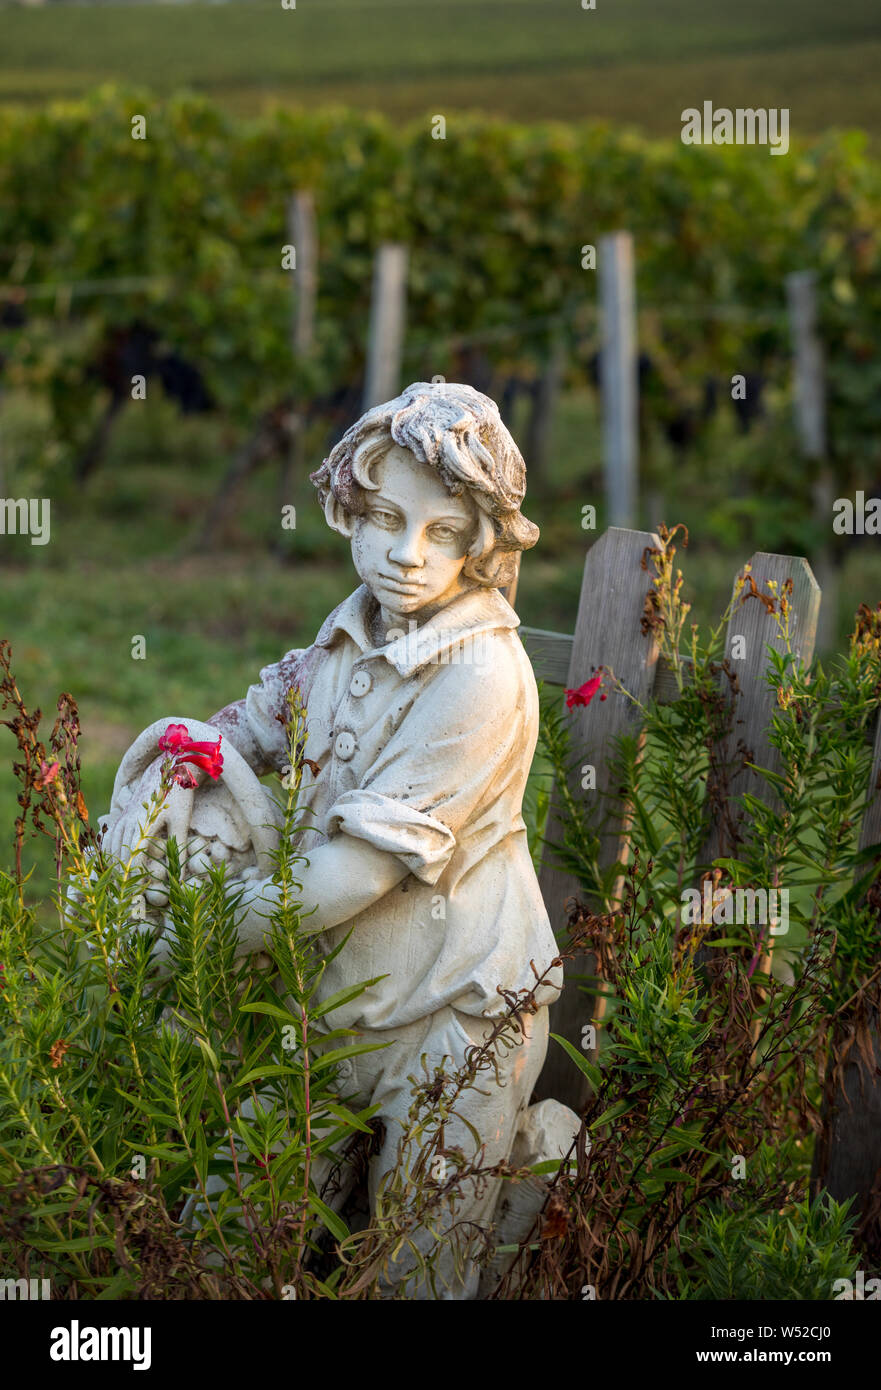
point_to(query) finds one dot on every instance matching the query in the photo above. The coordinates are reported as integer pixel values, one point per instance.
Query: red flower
(175, 736)
(585, 693)
(206, 756)
(48, 774)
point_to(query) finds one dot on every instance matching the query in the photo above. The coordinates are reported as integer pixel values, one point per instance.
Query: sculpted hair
(458, 432)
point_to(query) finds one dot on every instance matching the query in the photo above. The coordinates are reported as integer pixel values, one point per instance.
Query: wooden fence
(608, 633)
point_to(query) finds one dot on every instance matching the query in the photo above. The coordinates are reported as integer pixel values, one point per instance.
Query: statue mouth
(404, 585)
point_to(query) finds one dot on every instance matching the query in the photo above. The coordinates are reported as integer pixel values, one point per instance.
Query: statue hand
(259, 899)
(138, 833)
(122, 831)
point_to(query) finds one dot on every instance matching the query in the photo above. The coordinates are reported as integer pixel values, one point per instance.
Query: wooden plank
(387, 311)
(619, 380)
(756, 701)
(607, 633)
(303, 235)
(666, 690)
(549, 652)
(808, 367)
(809, 394)
(823, 493)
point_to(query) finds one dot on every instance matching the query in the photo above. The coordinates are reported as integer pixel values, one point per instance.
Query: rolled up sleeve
(424, 844)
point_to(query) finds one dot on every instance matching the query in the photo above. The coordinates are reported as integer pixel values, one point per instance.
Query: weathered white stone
(233, 821)
(422, 721)
(544, 1134)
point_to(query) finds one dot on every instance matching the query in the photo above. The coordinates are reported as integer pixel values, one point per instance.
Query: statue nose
(406, 554)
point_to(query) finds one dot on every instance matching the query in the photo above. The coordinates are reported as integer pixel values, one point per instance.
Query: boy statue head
(428, 488)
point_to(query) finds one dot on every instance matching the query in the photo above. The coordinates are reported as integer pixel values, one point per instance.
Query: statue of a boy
(422, 722)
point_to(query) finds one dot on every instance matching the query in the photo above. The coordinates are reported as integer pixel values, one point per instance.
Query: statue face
(410, 545)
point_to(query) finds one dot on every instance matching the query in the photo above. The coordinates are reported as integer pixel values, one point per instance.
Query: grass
(636, 61)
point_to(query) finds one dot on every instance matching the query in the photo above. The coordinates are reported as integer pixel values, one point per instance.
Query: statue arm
(342, 878)
(232, 722)
(433, 777)
(252, 724)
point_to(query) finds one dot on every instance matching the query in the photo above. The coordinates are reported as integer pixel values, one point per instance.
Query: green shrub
(707, 1085)
(689, 1177)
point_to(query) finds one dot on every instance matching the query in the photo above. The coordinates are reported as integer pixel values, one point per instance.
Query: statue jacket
(423, 747)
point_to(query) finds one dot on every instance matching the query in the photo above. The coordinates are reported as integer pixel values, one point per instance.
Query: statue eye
(383, 518)
(444, 533)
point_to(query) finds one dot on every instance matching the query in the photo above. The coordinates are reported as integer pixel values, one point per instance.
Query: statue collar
(476, 612)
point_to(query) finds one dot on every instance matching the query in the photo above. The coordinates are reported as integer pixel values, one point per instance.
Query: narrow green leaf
(334, 1223)
(590, 1070)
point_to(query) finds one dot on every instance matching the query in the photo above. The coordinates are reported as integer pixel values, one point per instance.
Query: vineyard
(163, 257)
(169, 249)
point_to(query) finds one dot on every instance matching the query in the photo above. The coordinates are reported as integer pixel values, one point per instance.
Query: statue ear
(337, 518)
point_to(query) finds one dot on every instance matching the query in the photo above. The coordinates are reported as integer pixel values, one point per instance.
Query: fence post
(607, 633)
(751, 629)
(387, 310)
(810, 417)
(619, 382)
(303, 236)
(302, 232)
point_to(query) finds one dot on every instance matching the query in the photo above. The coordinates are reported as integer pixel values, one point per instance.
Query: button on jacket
(424, 745)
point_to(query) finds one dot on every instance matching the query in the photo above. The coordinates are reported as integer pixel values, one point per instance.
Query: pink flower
(206, 756)
(585, 693)
(48, 774)
(175, 736)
